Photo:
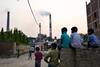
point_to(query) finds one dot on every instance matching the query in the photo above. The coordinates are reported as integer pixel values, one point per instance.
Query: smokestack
(39, 28)
(50, 26)
(8, 19)
(50, 22)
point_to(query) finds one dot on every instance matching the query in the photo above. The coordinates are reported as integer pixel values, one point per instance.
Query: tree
(17, 35)
(2, 34)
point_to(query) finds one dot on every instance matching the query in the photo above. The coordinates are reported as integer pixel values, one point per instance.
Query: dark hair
(54, 45)
(90, 31)
(74, 29)
(37, 48)
(64, 29)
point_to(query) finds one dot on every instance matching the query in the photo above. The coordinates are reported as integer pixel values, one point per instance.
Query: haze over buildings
(64, 13)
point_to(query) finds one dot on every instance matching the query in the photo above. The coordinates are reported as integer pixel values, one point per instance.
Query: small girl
(38, 57)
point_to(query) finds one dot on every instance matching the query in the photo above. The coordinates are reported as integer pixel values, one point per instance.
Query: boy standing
(38, 57)
(52, 56)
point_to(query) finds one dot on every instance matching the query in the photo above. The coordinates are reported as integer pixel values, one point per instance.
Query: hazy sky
(66, 13)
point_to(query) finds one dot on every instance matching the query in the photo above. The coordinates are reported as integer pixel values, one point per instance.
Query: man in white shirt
(76, 40)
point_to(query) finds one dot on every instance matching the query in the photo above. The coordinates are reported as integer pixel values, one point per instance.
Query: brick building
(93, 16)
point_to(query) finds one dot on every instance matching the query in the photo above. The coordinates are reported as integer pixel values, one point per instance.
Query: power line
(32, 12)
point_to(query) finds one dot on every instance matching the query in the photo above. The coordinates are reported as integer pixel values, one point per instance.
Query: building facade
(93, 16)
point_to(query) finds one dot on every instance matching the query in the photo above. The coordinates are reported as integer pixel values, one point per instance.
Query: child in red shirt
(38, 57)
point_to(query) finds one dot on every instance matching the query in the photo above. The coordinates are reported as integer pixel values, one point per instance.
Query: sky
(64, 13)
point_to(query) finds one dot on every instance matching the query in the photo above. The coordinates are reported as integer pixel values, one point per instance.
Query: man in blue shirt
(65, 39)
(93, 40)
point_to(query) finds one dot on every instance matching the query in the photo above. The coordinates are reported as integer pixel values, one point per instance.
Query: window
(95, 25)
(95, 15)
(99, 3)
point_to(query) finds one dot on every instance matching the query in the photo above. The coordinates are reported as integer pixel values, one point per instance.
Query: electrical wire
(32, 13)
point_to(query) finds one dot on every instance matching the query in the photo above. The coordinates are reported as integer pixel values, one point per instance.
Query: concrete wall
(7, 47)
(23, 48)
(88, 57)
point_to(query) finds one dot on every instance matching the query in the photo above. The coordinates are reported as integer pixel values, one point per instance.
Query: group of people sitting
(75, 40)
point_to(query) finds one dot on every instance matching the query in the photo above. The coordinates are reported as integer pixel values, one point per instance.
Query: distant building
(41, 37)
(32, 41)
(93, 16)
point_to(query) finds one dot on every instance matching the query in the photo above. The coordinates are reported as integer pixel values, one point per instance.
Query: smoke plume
(44, 13)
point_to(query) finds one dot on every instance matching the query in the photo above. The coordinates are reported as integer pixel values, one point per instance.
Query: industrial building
(93, 16)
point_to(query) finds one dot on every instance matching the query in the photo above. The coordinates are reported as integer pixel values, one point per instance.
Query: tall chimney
(39, 28)
(8, 19)
(50, 26)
